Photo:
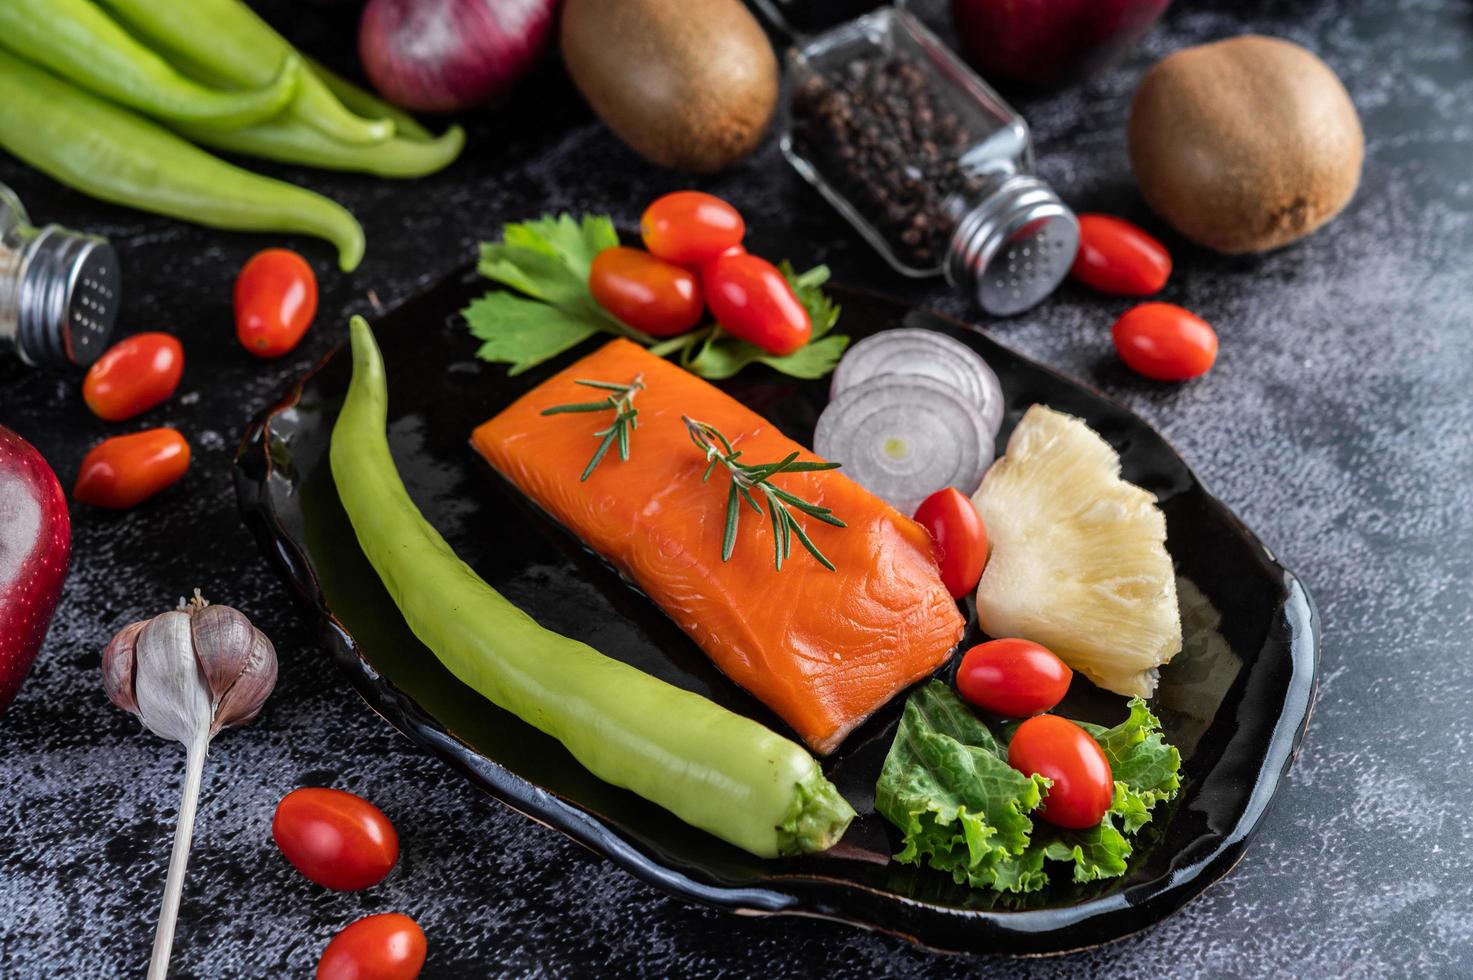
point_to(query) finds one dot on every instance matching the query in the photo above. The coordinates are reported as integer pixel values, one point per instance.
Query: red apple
(35, 543)
(1042, 43)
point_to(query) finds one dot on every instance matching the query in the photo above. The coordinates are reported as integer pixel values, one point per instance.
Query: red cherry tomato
(690, 227)
(1060, 750)
(124, 471)
(961, 540)
(336, 839)
(649, 294)
(1118, 258)
(377, 947)
(275, 300)
(1013, 678)
(1165, 342)
(133, 376)
(699, 268)
(751, 300)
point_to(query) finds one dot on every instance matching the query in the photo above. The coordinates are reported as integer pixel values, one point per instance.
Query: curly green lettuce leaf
(942, 786)
(961, 807)
(1146, 768)
(720, 355)
(546, 262)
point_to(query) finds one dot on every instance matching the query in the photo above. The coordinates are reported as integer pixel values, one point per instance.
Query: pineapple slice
(1079, 561)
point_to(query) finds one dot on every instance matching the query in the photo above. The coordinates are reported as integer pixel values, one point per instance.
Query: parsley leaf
(523, 332)
(547, 261)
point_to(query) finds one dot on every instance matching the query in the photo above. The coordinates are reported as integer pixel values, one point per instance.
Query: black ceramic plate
(1235, 701)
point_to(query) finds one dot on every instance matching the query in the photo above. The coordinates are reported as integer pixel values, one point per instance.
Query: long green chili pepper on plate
(104, 150)
(711, 767)
(77, 40)
(226, 39)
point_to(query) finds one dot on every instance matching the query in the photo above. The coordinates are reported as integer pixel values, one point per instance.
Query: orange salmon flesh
(824, 649)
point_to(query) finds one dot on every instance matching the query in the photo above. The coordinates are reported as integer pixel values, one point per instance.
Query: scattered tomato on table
(645, 292)
(751, 299)
(1013, 678)
(275, 300)
(133, 376)
(690, 227)
(1118, 258)
(124, 471)
(1165, 342)
(390, 946)
(960, 539)
(1059, 750)
(334, 838)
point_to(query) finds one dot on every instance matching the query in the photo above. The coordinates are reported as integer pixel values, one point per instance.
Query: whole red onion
(444, 55)
(1045, 42)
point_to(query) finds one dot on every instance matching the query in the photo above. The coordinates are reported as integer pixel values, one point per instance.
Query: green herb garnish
(745, 478)
(962, 809)
(547, 308)
(715, 354)
(626, 417)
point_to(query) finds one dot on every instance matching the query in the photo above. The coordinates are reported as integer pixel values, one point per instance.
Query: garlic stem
(163, 939)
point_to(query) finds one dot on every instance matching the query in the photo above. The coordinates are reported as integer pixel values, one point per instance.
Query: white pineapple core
(1078, 560)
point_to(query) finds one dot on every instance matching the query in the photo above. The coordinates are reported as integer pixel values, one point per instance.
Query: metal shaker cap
(1014, 249)
(68, 297)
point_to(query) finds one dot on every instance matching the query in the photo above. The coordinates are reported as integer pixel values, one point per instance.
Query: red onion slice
(927, 354)
(903, 437)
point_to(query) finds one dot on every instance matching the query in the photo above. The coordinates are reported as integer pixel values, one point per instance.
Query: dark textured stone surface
(1336, 423)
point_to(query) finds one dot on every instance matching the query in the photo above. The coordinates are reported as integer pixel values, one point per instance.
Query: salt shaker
(926, 161)
(59, 289)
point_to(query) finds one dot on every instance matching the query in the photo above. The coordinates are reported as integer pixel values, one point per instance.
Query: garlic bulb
(195, 662)
(188, 673)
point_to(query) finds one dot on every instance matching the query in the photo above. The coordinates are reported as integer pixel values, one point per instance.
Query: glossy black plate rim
(941, 929)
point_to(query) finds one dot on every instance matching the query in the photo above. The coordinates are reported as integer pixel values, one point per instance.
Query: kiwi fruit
(689, 84)
(1245, 145)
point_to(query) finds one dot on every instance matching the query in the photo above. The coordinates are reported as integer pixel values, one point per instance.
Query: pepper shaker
(926, 161)
(59, 289)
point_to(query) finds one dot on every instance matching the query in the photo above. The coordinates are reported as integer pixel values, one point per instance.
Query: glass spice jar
(926, 161)
(58, 289)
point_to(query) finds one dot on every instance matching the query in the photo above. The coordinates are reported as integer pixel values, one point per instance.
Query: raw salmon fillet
(824, 649)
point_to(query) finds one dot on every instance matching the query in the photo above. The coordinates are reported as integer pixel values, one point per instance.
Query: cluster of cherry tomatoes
(1019, 679)
(275, 300)
(695, 261)
(343, 842)
(1159, 340)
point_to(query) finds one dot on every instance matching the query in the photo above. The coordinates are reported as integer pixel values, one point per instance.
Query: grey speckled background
(1337, 423)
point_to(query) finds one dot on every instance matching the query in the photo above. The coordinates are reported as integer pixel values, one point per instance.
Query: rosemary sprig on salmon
(747, 477)
(626, 417)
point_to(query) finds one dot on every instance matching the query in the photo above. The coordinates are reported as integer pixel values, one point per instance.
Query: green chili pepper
(225, 39)
(365, 103)
(709, 766)
(78, 41)
(110, 153)
(293, 141)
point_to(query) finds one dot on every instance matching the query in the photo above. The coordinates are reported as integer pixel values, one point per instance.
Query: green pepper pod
(110, 153)
(78, 41)
(225, 39)
(365, 103)
(293, 141)
(711, 767)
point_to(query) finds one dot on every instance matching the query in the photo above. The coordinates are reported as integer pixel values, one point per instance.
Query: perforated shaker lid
(69, 297)
(1015, 248)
